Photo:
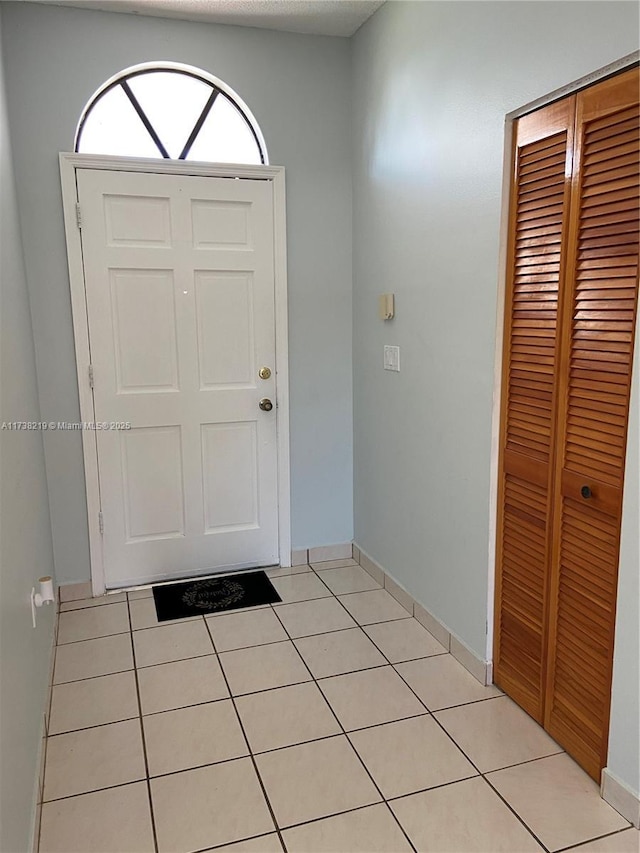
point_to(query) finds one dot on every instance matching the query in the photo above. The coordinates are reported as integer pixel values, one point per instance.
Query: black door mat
(213, 595)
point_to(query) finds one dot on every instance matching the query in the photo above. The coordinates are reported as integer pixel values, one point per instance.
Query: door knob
(265, 404)
(585, 491)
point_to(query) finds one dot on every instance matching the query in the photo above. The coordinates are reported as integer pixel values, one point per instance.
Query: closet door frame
(623, 64)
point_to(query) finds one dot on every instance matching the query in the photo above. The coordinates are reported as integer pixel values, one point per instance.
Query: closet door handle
(585, 491)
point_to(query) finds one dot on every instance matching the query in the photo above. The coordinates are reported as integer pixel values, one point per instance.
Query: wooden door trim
(69, 164)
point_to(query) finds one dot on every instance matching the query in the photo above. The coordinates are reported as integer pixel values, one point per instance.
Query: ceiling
(318, 17)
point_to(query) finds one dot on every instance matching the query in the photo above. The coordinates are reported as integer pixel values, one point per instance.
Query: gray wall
(298, 89)
(25, 534)
(432, 84)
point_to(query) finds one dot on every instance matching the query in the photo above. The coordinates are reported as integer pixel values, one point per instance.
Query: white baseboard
(620, 797)
(323, 553)
(480, 669)
(74, 591)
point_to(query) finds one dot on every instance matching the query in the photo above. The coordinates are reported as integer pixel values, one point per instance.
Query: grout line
(91, 677)
(514, 812)
(95, 726)
(246, 739)
(142, 734)
(462, 704)
(355, 751)
(597, 838)
(484, 777)
(227, 844)
(99, 637)
(87, 606)
(95, 791)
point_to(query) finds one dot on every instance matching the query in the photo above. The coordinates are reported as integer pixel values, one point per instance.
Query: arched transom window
(171, 111)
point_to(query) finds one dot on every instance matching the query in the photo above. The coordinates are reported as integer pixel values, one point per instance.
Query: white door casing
(178, 293)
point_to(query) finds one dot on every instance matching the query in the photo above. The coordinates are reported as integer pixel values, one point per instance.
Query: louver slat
(597, 351)
(539, 206)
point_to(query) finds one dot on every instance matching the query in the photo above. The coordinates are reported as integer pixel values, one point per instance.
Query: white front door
(179, 283)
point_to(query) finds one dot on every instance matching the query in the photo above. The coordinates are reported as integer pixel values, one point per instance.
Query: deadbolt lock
(265, 404)
(264, 373)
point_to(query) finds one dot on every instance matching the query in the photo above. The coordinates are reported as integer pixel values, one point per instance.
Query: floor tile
(375, 606)
(339, 652)
(442, 682)
(284, 571)
(557, 800)
(466, 817)
(82, 604)
(115, 819)
(263, 667)
(404, 639)
(93, 758)
(315, 780)
(136, 594)
(191, 737)
(410, 755)
(144, 615)
(285, 717)
(314, 617)
(333, 564)
(93, 702)
(369, 830)
(209, 806)
(93, 622)
(242, 630)
(627, 841)
(348, 579)
(263, 844)
(185, 682)
(301, 587)
(497, 733)
(93, 657)
(369, 698)
(171, 642)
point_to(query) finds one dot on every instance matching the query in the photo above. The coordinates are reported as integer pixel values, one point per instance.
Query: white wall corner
(355, 552)
(620, 797)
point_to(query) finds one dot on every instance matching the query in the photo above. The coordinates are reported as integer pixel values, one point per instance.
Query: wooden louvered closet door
(570, 314)
(594, 389)
(543, 147)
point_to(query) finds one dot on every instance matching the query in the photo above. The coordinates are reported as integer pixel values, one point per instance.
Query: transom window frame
(217, 87)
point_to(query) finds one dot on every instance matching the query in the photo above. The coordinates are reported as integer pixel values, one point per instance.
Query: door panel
(537, 243)
(594, 383)
(179, 275)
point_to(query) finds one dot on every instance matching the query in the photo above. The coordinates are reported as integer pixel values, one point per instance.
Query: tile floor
(330, 723)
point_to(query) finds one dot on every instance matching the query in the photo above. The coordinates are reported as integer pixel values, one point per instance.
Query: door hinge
(78, 214)
(91, 376)
(101, 522)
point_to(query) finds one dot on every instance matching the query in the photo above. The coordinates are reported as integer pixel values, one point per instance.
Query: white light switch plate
(392, 358)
